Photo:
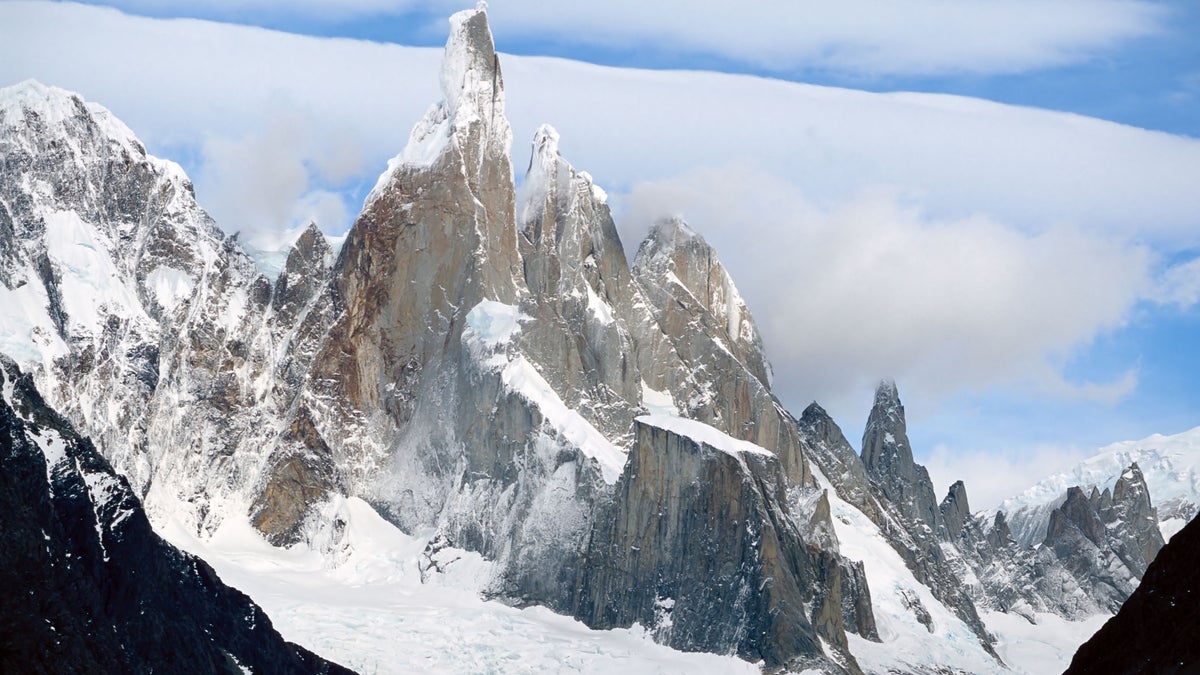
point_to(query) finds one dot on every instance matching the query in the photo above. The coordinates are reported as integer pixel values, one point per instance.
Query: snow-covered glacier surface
(1170, 465)
(366, 607)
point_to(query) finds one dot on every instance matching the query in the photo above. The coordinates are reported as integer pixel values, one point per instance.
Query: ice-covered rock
(1170, 466)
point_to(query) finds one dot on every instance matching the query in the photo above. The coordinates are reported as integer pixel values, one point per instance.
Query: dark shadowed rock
(89, 587)
(1156, 629)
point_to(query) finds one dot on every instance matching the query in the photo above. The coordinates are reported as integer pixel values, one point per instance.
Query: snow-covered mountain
(481, 375)
(1170, 465)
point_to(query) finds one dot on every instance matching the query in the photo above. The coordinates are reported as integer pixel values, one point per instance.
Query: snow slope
(1170, 465)
(366, 607)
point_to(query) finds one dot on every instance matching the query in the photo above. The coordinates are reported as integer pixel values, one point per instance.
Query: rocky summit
(485, 368)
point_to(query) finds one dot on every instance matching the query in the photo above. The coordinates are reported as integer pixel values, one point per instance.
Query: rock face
(585, 308)
(896, 493)
(888, 459)
(838, 460)
(698, 308)
(1092, 554)
(138, 316)
(1155, 630)
(701, 546)
(1106, 541)
(97, 588)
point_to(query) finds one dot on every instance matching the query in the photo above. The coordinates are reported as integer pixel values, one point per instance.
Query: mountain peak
(469, 123)
(470, 67)
(673, 254)
(956, 509)
(886, 392)
(49, 110)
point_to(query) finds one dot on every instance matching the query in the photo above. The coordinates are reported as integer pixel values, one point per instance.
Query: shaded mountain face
(89, 583)
(668, 558)
(1155, 629)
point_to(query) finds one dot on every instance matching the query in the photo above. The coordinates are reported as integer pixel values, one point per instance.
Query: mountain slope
(1155, 631)
(89, 583)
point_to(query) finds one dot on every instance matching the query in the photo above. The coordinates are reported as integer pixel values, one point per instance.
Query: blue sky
(860, 241)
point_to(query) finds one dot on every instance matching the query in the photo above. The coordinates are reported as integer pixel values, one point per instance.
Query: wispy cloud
(1180, 285)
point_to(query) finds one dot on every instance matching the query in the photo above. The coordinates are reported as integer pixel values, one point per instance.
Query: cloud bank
(860, 37)
(948, 242)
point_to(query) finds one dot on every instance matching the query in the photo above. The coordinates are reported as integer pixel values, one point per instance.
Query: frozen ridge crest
(472, 106)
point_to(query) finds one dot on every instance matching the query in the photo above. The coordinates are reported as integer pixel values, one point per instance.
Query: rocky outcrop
(584, 307)
(955, 510)
(1090, 559)
(1155, 629)
(898, 497)
(91, 586)
(701, 546)
(1106, 540)
(888, 459)
(838, 460)
(696, 305)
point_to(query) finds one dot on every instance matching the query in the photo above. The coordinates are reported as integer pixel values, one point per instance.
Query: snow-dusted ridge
(703, 433)
(1170, 465)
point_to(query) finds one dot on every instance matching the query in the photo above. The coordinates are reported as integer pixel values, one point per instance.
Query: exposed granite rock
(1106, 541)
(1090, 559)
(1155, 630)
(304, 274)
(436, 238)
(700, 525)
(301, 476)
(955, 510)
(583, 303)
(888, 459)
(698, 308)
(89, 586)
(838, 460)
(898, 498)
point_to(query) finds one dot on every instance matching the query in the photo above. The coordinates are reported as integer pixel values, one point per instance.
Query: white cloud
(233, 10)
(991, 476)
(857, 36)
(266, 183)
(875, 286)
(872, 37)
(943, 241)
(1180, 285)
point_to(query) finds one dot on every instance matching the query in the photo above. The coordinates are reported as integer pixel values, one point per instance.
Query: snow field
(370, 611)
